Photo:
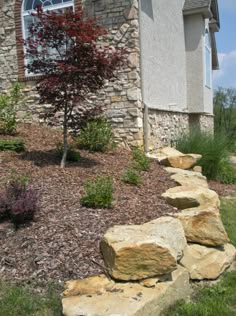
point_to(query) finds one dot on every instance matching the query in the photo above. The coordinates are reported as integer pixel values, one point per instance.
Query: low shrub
(213, 149)
(8, 103)
(99, 193)
(72, 155)
(97, 135)
(131, 176)
(16, 145)
(19, 201)
(140, 161)
(227, 173)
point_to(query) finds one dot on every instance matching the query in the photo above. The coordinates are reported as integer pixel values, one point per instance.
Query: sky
(226, 45)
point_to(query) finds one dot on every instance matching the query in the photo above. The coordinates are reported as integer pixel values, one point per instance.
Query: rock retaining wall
(156, 255)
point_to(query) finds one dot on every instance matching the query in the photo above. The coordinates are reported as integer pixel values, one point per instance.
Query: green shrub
(8, 103)
(99, 193)
(72, 155)
(12, 145)
(140, 161)
(97, 135)
(131, 176)
(227, 172)
(212, 148)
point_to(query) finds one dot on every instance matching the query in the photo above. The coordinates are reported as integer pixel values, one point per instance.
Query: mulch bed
(63, 241)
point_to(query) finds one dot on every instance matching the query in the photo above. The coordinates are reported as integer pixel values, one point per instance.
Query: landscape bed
(63, 241)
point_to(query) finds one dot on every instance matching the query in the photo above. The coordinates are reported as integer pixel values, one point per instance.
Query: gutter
(145, 107)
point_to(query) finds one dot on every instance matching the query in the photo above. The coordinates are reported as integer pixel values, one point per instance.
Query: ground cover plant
(65, 48)
(12, 145)
(218, 299)
(139, 163)
(214, 150)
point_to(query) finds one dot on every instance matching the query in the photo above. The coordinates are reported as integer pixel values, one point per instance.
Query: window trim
(19, 43)
(25, 13)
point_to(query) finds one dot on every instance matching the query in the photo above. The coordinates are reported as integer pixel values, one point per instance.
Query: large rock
(190, 196)
(134, 252)
(207, 263)
(185, 172)
(130, 299)
(91, 285)
(204, 226)
(185, 179)
(171, 157)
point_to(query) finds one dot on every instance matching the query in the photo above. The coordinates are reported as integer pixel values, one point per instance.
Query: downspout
(145, 107)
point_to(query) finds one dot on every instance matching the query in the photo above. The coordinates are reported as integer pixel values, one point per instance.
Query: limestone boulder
(130, 299)
(185, 179)
(169, 156)
(207, 263)
(91, 285)
(189, 196)
(185, 172)
(135, 252)
(203, 226)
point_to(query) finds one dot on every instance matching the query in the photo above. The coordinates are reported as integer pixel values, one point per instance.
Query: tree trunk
(65, 141)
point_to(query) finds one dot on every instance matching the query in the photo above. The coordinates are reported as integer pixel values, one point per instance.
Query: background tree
(225, 113)
(63, 47)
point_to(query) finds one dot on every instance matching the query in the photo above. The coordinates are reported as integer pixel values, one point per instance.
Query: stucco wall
(163, 54)
(199, 97)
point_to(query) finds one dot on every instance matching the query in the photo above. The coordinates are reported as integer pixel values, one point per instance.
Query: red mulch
(63, 241)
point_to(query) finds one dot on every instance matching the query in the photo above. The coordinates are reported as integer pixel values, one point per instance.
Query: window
(208, 66)
(29, 5)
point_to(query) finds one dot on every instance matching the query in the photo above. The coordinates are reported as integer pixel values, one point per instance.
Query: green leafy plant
(12, 145)
(8, 104)
(72, 155)
(99, 193)
(213, 149)
(140, 161)
(97, 135)
(131, 176)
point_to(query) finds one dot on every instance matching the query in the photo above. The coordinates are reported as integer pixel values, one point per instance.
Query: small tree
(63, 47)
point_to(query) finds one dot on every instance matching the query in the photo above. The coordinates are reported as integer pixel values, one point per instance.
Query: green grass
(23, 301)
(220, 299)
(228, 215)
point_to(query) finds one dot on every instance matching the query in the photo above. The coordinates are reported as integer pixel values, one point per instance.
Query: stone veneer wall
(165, 126)
(8, 60)
(121, 98)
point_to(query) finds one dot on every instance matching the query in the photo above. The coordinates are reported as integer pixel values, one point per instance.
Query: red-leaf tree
(63, 48)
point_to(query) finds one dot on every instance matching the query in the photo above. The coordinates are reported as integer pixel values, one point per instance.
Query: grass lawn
(23, 301)
(220, 299)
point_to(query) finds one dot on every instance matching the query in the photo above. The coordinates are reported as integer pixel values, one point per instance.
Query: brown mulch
(63, 241)
(223, 189)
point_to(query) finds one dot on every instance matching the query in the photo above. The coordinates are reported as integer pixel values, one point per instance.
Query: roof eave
(205, 11)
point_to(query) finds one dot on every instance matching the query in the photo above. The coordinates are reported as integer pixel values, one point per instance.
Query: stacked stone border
(149, 266)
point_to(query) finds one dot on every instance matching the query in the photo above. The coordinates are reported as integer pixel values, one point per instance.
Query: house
(166, 87)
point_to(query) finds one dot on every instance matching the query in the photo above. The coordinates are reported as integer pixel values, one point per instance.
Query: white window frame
(24, 13)
(207, 53)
